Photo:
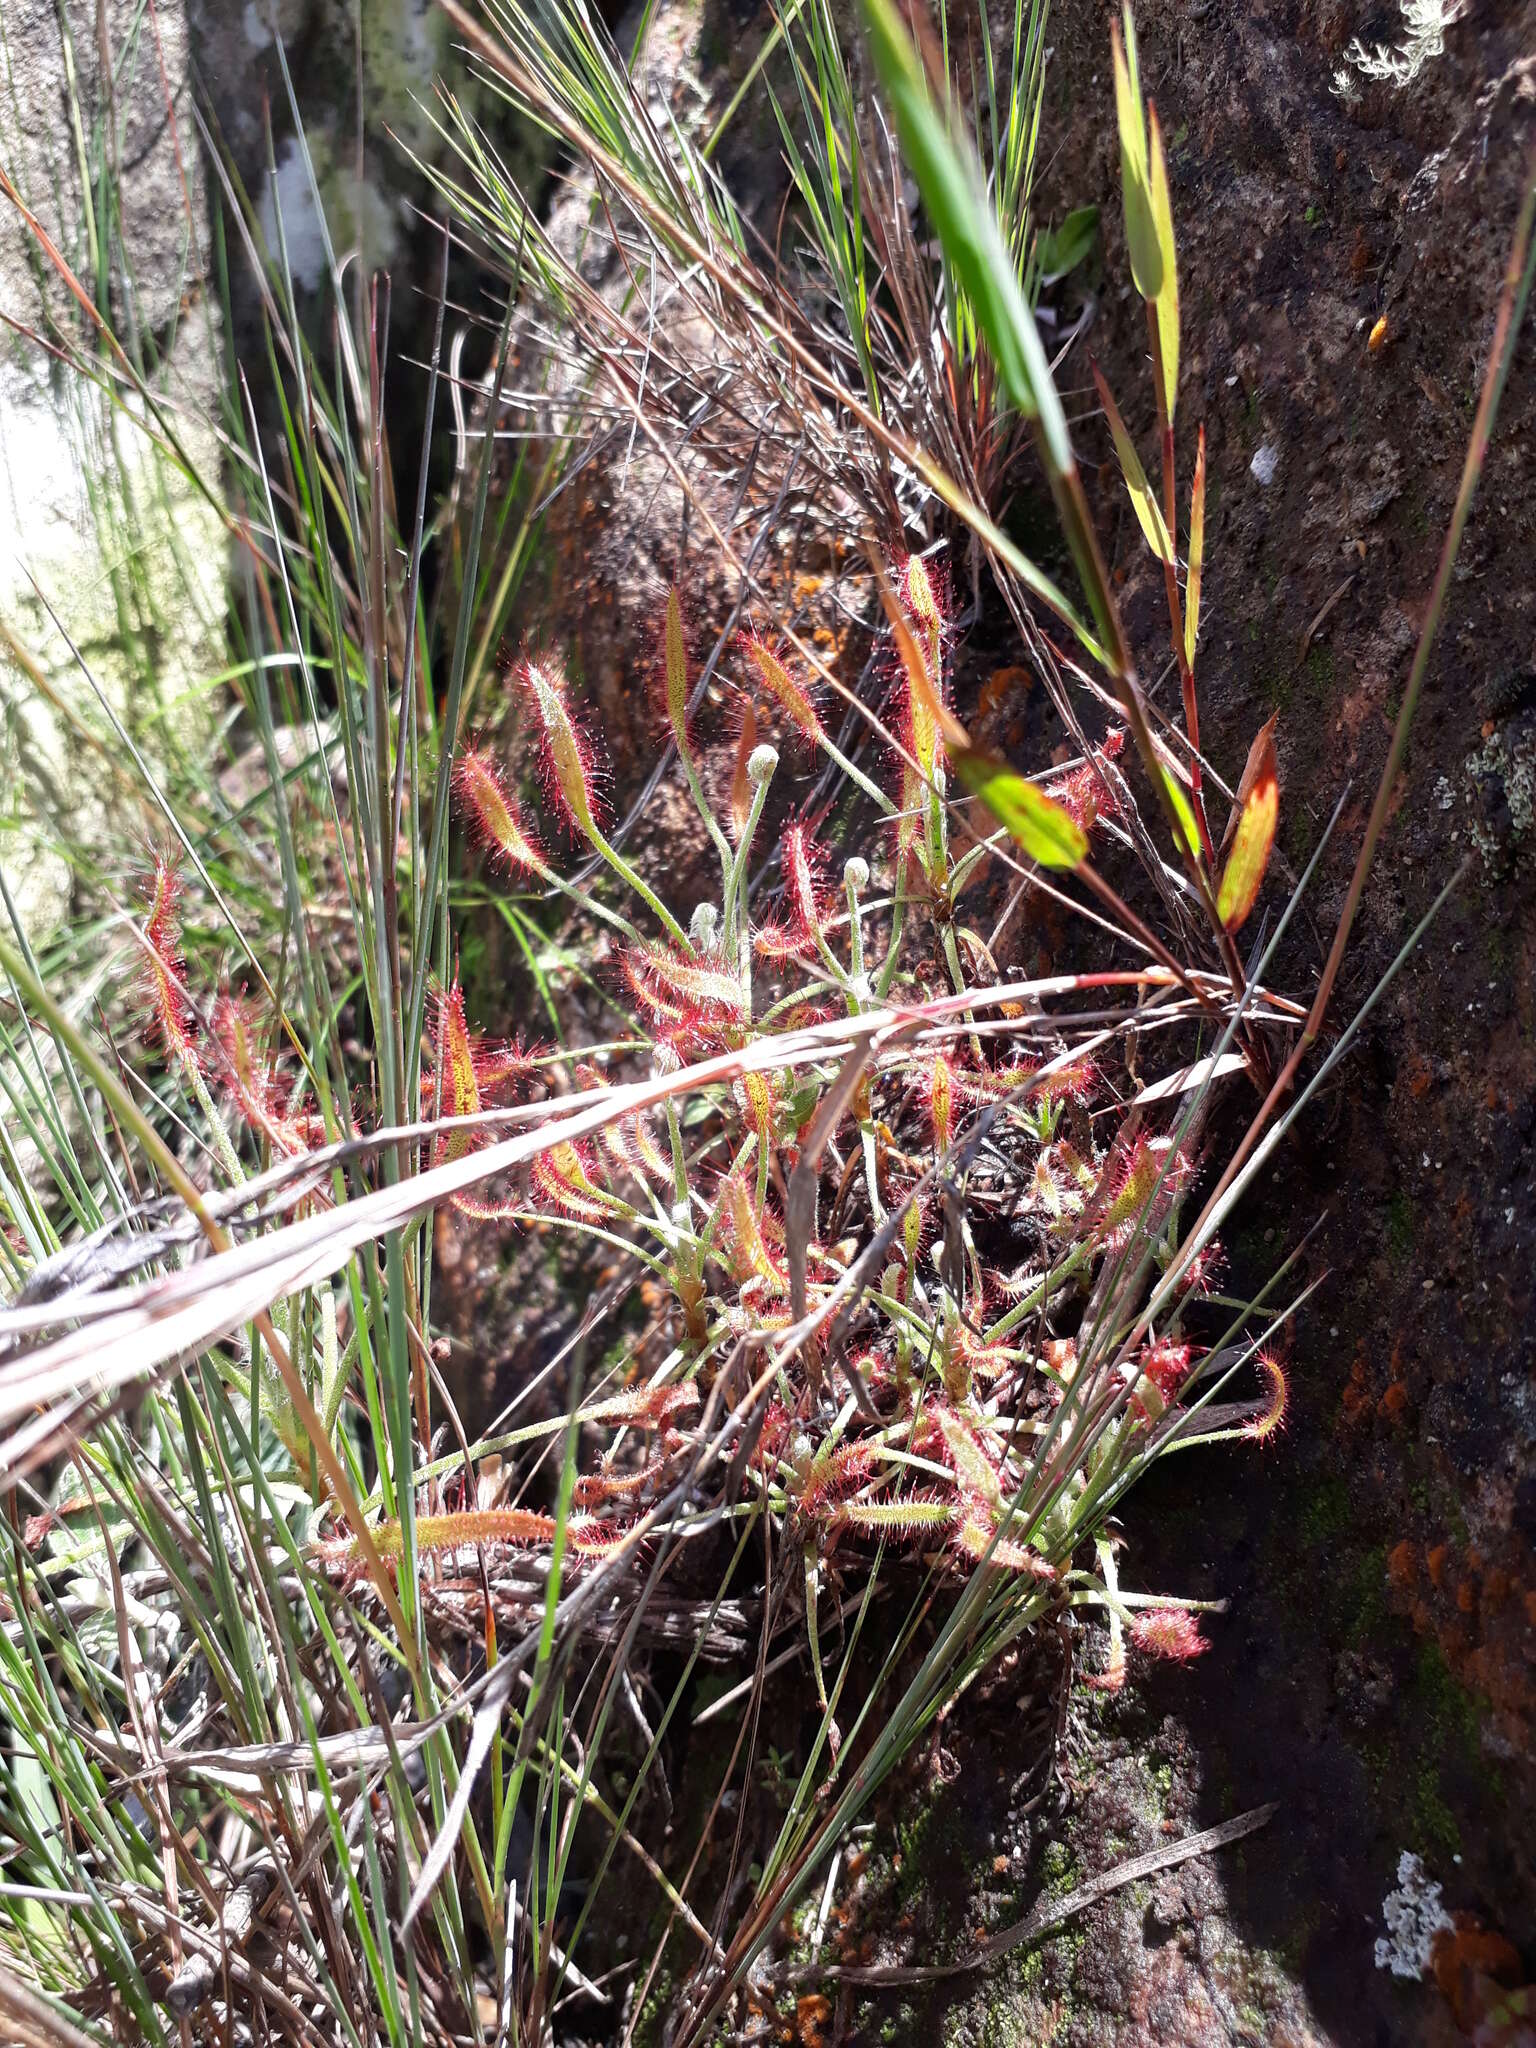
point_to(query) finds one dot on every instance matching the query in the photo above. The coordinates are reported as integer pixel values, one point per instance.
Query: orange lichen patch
(1496, 1585)
(1402, 1563)
(813, 2012)
(1416, 1077)
(1393, 1404)
(1437, 1560)
(1466, 1597)
(1001, 685)
(1464, 1958)
(1356, 1400)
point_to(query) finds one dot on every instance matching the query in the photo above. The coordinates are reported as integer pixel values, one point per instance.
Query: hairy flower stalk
(674, 658)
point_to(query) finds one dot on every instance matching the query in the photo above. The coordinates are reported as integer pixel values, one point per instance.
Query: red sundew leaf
(645, 1407)
(941, 1101)
(755, 1094)
(458, 1086)
(976, 1535)
(165, 973)
(910, 1519)
(652, 1159)
(1254, 837)
(590, 1537)
(1135, 1171)
(974, 1465)
(706, 982)
(774, 941)
(564, 1176)
(1170, 1632)
(801, 863)
(791, 698)
(743, 1230)
(567, 757)
(1077, 1081)
(674, 654)
(493, 813)
(833, 1474)
(257, 1089)
(1277, 1390)
(925, 690)
(593, 1490)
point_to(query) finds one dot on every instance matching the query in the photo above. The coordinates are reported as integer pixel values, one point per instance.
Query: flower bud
(761, 764)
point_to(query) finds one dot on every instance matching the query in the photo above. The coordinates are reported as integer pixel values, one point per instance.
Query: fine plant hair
(328, 1720)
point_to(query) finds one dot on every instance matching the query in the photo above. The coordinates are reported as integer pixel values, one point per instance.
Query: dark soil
(1376, 1672)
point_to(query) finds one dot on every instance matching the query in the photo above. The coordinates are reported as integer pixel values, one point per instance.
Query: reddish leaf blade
(1252, 842)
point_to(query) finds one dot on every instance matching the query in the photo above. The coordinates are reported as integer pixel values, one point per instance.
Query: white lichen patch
(1502, 777)
(1414, 1915)
(1424, 25)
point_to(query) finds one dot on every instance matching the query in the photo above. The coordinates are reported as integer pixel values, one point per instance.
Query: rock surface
(99, 519)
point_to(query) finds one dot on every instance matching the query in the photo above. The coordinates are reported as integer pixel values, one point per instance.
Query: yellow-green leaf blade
(1143, 501)
(1251, 845)
(1196, 554)
(1184, 811)
(1140, 229)
(1168, 289)
(1047, 833)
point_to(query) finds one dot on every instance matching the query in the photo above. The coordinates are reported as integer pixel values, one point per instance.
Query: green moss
(1401, 1222)
(1432, 1825)
(1324, 1515)
(1364, 1591)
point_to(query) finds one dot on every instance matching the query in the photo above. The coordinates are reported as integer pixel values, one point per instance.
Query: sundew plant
(331, 1718)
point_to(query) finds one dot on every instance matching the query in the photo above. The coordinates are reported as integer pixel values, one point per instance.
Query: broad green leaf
(1140, 229)
(1047, 833)
(1147, 509)
(1062, 249)
(1189, 831)
(1168, 290)
(1251, 845)
(950, 180)
(1196, 554)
